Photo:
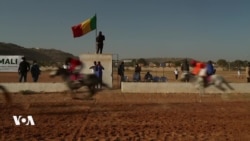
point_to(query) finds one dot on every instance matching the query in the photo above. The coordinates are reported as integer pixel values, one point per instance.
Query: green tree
(222, 63)
(237, 63)
(177, 63)
(142, 61)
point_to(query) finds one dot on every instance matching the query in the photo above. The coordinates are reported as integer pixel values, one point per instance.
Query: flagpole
(96, 32)
(96, 26)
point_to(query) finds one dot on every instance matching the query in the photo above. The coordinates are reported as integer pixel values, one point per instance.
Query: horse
(214, 80)
(89, 80)
(6, 94)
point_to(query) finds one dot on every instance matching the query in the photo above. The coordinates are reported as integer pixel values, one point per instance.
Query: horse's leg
(220, 88)
(228, 85)
(218, 84)
(92, 90)
(7, 95)
(201, 92)
(201, 87)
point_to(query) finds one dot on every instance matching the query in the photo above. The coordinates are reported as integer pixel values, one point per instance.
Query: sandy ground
(116, 116)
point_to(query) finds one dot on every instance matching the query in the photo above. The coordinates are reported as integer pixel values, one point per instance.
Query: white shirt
(175, 71)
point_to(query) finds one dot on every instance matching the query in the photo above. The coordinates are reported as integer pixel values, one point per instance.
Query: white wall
(106, 61)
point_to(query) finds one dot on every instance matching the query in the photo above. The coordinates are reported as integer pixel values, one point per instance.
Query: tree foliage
(222, 63)
(142, 61)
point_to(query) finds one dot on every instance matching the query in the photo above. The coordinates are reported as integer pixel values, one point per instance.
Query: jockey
(199, 69)
(210, 68)
(74, 66)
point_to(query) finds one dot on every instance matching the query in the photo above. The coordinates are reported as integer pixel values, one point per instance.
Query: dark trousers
(35, 78)
(176, 76)
(99, 48)
(122, 79)
(99, 85)
(23, 76)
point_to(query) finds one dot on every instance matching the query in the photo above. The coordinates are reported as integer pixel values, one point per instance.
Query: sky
(199, 29)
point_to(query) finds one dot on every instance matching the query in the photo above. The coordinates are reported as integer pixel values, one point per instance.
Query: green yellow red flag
(84, 27)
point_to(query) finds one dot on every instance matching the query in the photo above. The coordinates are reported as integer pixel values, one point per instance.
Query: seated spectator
(156, 79)
(148, 77)
(163, 79)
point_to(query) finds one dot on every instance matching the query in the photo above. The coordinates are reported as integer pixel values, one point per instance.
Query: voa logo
(23, 120)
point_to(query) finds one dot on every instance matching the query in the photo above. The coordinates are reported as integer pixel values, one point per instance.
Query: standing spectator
(185, 70)
(99, 43)
(248, 72)
(99, 68)
(23, 69)
(239, 73)
(176, 72)
(121, 72)
(137, 75)
(94, 68)
(185, 66)
(35, 71)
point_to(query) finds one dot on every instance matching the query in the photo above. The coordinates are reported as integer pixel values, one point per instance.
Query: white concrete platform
(106, 61)
(163, 87)
(35, 87)
(127, 87)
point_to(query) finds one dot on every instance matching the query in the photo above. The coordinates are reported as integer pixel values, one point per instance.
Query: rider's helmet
(193, 63)
(209, 62)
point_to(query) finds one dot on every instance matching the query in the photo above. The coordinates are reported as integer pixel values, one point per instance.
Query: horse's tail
(6, 94)
(223, 80)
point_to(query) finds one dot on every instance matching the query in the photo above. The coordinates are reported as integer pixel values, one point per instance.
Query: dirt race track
(114, 116)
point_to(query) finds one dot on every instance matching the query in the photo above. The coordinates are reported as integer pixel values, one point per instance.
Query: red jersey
(74, 63)
(198, 67)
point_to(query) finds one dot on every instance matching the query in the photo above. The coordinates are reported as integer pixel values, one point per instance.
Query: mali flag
(84, 27)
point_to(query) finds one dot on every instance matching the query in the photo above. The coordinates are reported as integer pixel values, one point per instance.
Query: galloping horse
(7, 95)
(89, 80)
(199, 83)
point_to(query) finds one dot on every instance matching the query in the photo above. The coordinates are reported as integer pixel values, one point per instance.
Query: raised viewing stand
(35, 87)
(106, 61)
(163, 87)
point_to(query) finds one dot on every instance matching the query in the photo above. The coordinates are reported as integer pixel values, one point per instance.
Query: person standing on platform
(99, 43)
